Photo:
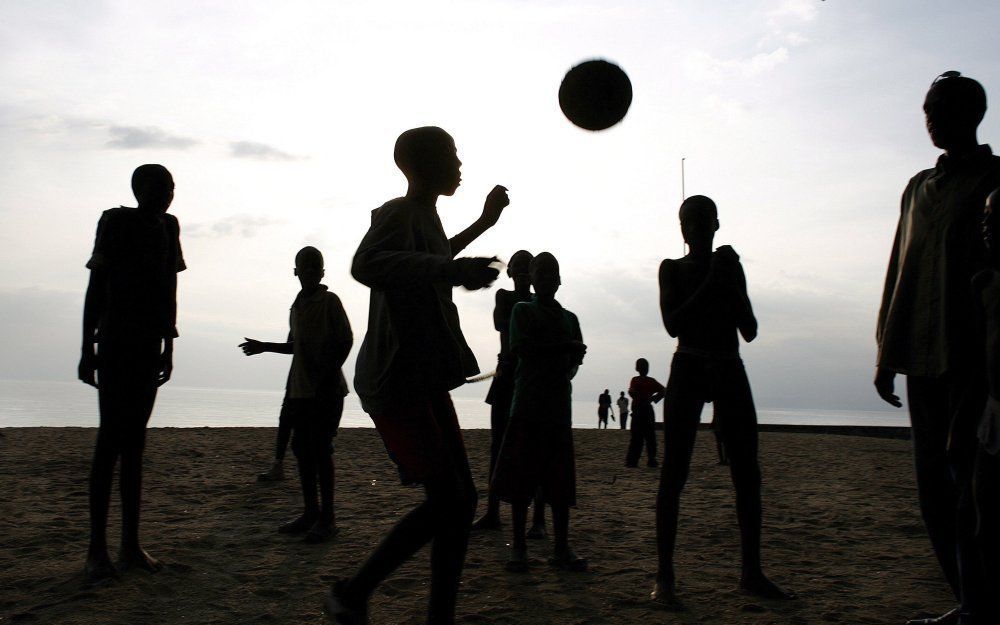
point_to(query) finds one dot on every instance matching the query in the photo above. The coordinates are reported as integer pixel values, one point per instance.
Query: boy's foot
(137, 558)
(665, 595)
(518, 560)
(297, 525)
(537, 532)
(99, 568)
(568, 561)
(759, 585)
(343, 610)
(948, 618)
(487, 522)
(275, 474)
(320, 532)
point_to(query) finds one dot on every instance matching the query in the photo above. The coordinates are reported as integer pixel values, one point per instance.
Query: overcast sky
(801, 118)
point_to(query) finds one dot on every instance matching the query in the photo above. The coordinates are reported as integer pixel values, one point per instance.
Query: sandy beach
(841, 529)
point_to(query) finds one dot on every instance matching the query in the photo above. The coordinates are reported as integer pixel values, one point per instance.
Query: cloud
(246, 226)
(259, 151)
(703, 66)
(134, 137)
(801, 10)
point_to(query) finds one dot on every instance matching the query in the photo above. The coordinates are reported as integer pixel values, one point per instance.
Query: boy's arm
(746, 321)
(93, 307)
(343, 337)
(885, 378)
(496, 201)
(678, 315)
(252, 347)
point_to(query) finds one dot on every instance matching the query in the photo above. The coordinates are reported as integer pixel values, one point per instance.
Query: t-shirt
(414, 345)
(622, 405)
(321, 338)
(641, 389)
(141, 253)
(928, 323)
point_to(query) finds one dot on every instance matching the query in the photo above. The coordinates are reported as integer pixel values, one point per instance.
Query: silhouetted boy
(986, 478)
(130, 315)
(604, 409)
(704, 304)
(537, 450)
(502, 388)
(929, 330)
(622, 409)
(319, 340)
(412, 355)
(644, 391)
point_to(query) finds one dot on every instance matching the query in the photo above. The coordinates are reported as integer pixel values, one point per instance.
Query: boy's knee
(671, 486)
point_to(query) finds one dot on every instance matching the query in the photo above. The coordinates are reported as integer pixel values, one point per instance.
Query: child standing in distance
(413, 354)
(502, 388)
(537, 450)
(644, 391)
(622, 410)
(130, 316)
(704, 303)
(986, 475)
(319, 340)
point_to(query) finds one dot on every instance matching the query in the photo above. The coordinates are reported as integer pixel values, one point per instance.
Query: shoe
(275, 474)
(340, 610)
(664, 594)
(948, 618)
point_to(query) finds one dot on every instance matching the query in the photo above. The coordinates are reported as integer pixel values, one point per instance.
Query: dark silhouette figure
(604, 409)
(129, 315)
(704, 303)
(644, 391)
(502, 389)
(319, 340)
(929, 330)
(986, 478)
(537, 450)
(622, 410)
(413, 354)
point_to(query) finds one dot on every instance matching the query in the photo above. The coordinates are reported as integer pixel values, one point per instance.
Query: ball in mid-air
(595, 94)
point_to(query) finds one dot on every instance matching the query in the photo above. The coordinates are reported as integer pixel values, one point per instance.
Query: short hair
(309, 254)
(518, 256)
(966, 92)
(697, 204)
(544, 259)
(642, 363)
(149, 175)
(413, 146)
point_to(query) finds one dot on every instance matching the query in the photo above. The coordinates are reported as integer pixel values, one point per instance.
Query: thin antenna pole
(683, 194)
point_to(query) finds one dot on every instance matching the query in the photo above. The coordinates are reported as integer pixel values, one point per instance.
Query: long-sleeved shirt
(414, 344)
(928, 323)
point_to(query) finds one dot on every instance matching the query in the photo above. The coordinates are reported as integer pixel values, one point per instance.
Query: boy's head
(642, 366)
(606, 391)
(699, 219)
(621, 393)
(309, 266)
(519, 263)
(989, 218)
(953, 108)
(544, 270)
(428, 156)
(153, 187)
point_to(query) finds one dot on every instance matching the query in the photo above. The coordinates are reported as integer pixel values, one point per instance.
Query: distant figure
(720, 448)
(130, 316)
(987, 472)
(704, 304)
(929, 329)
(319, 340)
(537, 450)
(644, 391)
(412, 355)
(604, 409)
(502, 389)
(622, 409)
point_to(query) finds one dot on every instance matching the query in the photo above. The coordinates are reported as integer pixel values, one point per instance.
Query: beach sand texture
(841, 529)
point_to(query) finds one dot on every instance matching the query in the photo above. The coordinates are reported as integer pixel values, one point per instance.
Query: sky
(802, 119)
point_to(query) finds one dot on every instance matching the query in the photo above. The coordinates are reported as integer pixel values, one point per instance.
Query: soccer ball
(595, 95)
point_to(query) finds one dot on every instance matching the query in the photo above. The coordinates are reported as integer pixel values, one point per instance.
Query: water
(60, 404)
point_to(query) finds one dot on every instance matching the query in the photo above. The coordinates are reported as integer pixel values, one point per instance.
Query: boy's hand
(885, 386)
(474, 273)
(87, 369)
(252, 347)
(496, 201)
(166, 368)
(578, 349)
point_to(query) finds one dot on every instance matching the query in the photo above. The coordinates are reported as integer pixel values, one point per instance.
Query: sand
(841, 529)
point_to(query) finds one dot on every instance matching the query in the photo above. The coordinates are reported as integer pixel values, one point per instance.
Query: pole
(683, 194)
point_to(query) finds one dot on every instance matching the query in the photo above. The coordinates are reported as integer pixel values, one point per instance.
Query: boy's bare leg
(99, 565)
(518, 560)
(537, 530)
(563, 555)
(132, 555)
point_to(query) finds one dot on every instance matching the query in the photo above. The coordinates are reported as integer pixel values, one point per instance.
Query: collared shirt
(414, 344)
(928, 323)
(141, 253)
(321, 338)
